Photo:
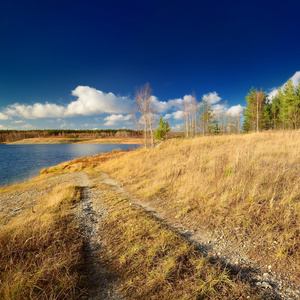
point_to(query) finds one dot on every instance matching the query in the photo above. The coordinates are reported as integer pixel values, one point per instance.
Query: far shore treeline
(17, 135)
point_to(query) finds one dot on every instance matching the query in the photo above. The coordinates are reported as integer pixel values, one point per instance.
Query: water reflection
(22, 162)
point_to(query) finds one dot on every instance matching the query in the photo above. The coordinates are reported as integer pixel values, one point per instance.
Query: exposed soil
(99, 281)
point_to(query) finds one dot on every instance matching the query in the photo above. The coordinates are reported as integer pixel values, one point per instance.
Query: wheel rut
(98, 281)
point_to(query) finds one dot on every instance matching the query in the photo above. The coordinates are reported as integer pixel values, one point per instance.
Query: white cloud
(219, 109)
(164, 106)
(4, 116)
(178, 115)
(212, 98)
(177, 128)
(3, 127)
(176, 103)
(35, 111)
(90, 102)
(19, 122)
(222, 109)
(113, 119)
(159, 106)
(295, 79)
(235, 110)
(153, 117)
(188, 99)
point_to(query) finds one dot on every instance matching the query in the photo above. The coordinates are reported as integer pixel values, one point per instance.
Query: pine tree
(162, 130)
(254, 112)
(273, 111)
(292, 105)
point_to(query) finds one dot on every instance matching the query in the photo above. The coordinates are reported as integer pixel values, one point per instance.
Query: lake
(19, 163)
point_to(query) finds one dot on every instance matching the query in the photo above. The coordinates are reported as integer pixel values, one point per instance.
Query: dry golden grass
(154, 262)
(246, 185)
(40, 249)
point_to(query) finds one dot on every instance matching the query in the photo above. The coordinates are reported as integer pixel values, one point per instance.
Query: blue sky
(77, 64)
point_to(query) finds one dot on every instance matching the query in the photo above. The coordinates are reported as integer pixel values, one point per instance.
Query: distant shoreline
(46, 141)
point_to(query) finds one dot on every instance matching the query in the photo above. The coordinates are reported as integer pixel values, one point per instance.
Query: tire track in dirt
(100, 283)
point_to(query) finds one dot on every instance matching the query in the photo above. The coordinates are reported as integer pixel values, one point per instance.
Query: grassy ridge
(245, 185)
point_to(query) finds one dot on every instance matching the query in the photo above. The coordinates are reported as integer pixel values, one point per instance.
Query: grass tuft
(40, 250)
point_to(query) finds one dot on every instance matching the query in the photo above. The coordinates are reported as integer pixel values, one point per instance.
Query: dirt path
(100, 283)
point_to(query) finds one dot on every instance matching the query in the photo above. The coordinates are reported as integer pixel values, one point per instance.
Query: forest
(16, 135)
(281, 112)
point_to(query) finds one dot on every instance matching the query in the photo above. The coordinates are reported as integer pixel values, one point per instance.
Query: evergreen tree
(292, 105)
(216, 129)
(254, 112)
(286, 104)
(274, 113)
(162, 130)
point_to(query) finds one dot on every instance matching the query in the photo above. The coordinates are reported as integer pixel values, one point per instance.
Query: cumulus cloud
(2, 127)
(35, 111)
(219, 109)
(113, 119)
(295, 79)
(153, 117)
(164, 106)
(212, 98)
(222, 109)
(178, 115)
(90, 102)
(4, 116)
(235, 110)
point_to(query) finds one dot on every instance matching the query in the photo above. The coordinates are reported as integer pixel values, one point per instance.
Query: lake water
(22, 162)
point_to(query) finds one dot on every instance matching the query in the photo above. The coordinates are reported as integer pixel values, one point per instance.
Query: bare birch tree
(143, 106)
(190, 116)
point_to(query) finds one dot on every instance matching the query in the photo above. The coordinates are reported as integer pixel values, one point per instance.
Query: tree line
(201, 119)
(16, 135)
(280, 112)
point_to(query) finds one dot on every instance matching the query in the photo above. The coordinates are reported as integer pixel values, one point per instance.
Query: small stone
(266, 285)
(265, 275)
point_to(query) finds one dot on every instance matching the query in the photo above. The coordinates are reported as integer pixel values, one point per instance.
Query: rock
(266, 285)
